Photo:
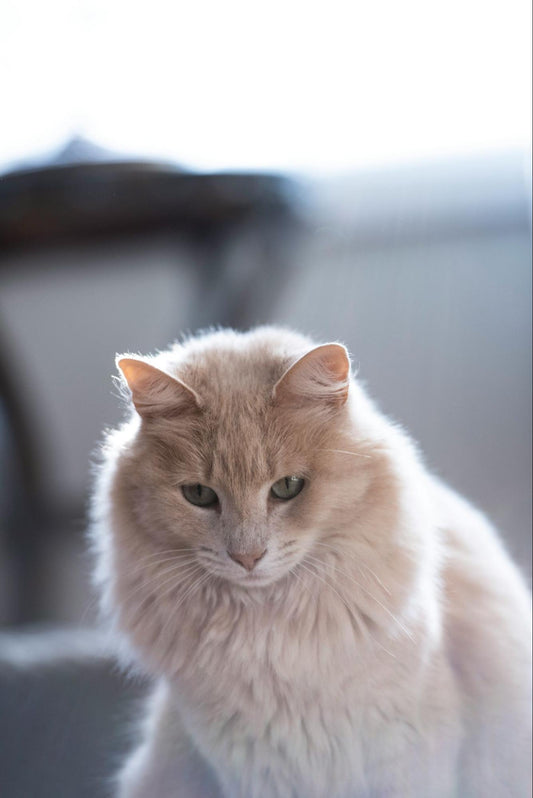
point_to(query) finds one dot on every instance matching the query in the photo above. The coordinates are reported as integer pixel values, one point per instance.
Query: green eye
(200, 495)
(287, 488)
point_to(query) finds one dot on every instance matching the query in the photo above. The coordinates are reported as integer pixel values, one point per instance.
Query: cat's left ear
(154, 392)
(323, 374)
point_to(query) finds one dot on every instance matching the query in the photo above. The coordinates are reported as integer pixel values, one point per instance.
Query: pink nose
(249, 560)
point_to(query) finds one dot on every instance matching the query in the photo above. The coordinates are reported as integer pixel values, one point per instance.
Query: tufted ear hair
(153, 392)
(322, 375)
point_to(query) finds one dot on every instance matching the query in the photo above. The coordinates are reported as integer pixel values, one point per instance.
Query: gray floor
(67, 715)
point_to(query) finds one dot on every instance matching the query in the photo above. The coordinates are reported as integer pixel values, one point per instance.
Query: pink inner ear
(155, 393)
(322, 373)
(137, 373)
(336, 360)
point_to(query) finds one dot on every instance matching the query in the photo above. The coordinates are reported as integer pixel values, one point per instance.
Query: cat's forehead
(234, 381)
(243, 434)
(232, 371)
(239, 453)
(243, 437)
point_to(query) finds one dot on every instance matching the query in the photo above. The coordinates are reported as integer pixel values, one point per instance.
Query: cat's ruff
(326, 619)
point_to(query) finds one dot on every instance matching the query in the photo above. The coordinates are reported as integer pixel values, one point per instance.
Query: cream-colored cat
(326, 620)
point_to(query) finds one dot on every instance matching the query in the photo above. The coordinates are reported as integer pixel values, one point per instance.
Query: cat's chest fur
(289, 695)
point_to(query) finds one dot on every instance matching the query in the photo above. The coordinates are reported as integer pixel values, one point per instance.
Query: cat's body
(365, 637)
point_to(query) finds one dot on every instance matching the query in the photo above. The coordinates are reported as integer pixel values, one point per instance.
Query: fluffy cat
(325, 618)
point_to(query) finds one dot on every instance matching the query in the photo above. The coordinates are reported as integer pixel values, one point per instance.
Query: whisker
(176, 552)
(166, 592)
(299, 578)
(391, 614)
(208, 558)
(345, 451)
(170, 551)
(155, 563)
(176, 584)
(359, 621)
(199, 581)
(178, 568)
(192, 588)
(358, 562)
(376, 577)
(156, 573)
(181, 557)
(328, 584)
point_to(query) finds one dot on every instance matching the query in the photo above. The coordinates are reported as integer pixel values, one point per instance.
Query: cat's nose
(248, 560)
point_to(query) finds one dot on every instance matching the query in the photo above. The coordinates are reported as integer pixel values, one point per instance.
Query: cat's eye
(287, 487)
(200, 495)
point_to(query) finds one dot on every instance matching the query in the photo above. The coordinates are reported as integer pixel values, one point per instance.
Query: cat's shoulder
(471, 541)
(486, 602)
(475, 558)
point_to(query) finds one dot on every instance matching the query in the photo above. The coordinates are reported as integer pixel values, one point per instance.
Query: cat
(324, 618)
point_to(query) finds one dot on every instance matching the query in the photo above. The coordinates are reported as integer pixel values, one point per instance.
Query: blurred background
(358, 171)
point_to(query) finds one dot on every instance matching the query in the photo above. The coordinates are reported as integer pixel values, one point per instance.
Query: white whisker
(345, 451)
(364, 589)
(358, 562)
(193, 587)
(359, 621)
(148, 567)
(299, 578)
(181, 569)
(180, 557)
(195, 584)
(155, 554)
(176, 584)
(190, 589)
(173, 585)
(330, 586)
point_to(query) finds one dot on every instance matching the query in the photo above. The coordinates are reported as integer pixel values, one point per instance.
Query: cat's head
(233, 453)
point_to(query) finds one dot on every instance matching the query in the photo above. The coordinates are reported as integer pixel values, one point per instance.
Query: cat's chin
(256, 580)
(251, 580)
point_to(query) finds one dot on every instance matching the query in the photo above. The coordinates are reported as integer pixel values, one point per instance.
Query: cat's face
(241, 503)
(246, 518)
(230, 464)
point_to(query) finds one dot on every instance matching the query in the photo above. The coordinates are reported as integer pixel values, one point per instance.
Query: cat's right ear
(321, 375)
(153, 392)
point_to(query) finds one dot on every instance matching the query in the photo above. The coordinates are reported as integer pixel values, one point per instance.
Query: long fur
(381, 647)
